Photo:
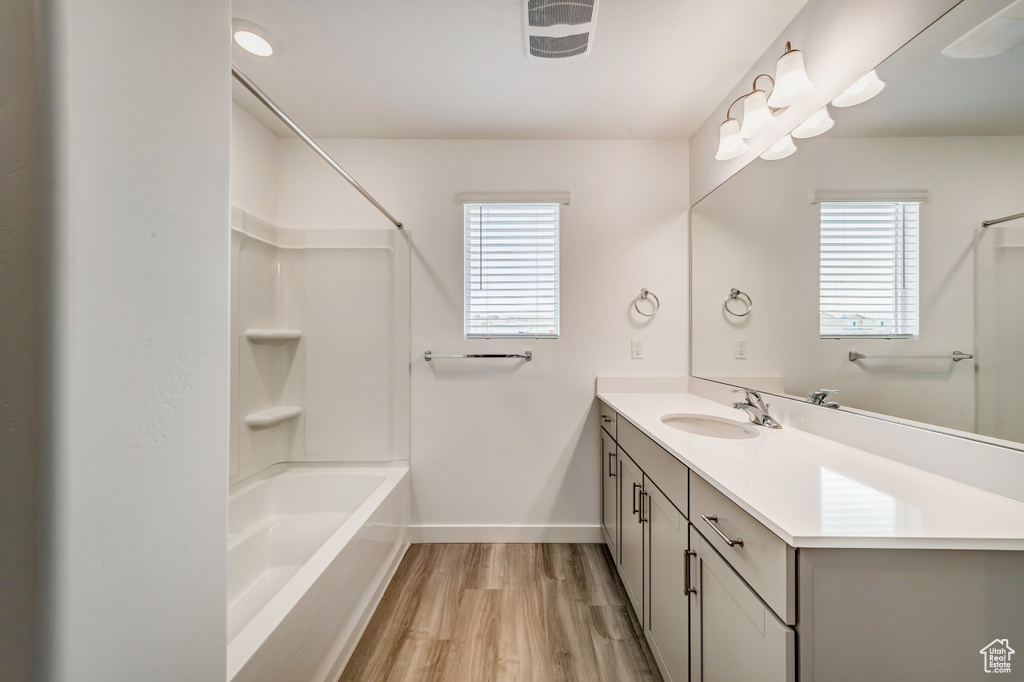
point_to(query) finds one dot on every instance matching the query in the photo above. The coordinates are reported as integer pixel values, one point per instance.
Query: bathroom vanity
(783, 555)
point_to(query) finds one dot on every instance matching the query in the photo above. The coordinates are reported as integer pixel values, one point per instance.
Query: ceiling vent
(559, 30)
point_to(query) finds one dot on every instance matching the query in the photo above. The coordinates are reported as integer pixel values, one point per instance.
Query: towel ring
(734, 295)
(643, 295)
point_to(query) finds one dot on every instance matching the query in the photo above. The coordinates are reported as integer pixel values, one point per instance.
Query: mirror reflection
(863, 255)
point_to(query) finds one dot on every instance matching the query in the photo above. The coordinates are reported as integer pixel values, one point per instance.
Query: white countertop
(813, 492)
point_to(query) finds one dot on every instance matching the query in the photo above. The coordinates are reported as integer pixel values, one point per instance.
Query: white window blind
(869, 269)
(511, 270)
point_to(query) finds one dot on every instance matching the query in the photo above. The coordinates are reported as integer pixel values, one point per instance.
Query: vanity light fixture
(816, 124)
(789, 86)
(730, 144)
(791, 81)
(253, 38)
(780, 149)
(866, 87)
(757, 116)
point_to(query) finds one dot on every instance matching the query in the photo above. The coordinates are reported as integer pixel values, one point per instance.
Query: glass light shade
(757, 117)
(864, 89)
(253, 43)
(780, 149)
(791, 81)
(730, 144)
(816, 124)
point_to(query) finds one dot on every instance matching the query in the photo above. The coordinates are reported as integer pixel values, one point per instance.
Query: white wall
(496, 443)
(253, 166)
(141, 99)
(760, 233)
(23, 242)
(841, 41)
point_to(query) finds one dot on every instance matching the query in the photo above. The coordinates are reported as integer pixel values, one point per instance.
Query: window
(869, 269)
(511, 270)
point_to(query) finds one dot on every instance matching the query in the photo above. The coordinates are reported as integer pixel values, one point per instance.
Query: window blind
(869, 269)
(511, 270)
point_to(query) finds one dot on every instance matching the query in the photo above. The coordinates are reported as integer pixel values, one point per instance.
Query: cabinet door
(609, 501)
(631, 532)
(734, 635)
(668, 608)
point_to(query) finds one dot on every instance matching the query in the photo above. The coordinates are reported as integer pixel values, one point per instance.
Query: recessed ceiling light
(253, 38)
(995, 35)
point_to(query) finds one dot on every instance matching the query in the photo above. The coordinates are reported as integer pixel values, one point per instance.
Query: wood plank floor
(481, 613)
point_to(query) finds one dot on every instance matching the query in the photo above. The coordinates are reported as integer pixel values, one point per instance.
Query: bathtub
(310, 550)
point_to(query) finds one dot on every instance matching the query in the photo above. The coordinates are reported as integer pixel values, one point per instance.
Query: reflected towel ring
(644, 294)
(734, 295)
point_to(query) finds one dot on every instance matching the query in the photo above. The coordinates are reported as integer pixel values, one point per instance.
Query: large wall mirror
(864, 253)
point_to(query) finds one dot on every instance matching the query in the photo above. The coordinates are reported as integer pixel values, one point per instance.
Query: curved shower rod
(276, 110)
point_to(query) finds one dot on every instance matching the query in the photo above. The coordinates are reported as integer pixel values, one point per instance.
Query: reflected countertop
(814, 492)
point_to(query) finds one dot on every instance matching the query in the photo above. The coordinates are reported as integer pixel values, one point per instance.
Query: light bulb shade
(791, 81)
(864, 89)
(780, 149)
(816, 124)
(757, 117)
(730, 144)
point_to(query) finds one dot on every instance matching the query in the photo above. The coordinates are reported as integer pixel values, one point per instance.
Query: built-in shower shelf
(275, 337)
(272, 417)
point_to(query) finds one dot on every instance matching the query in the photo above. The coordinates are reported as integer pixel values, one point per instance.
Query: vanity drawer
(608, 419)
(666, 471)
(766, 562)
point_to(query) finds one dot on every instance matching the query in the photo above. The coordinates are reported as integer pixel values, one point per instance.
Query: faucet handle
(820, 396)
(753, 397)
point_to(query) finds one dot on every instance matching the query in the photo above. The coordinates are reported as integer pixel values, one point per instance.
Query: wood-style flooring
(482, 613)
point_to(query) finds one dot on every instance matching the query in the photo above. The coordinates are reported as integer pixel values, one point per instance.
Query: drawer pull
(635, 486)
(687, 590)
(713, 522)
(611, 467)
(606, 419)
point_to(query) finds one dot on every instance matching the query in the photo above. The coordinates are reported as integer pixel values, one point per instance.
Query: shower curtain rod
(276, 110)
(996, 221)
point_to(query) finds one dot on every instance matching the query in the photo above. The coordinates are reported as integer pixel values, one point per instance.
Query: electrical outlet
(741, 349)
(637, 349)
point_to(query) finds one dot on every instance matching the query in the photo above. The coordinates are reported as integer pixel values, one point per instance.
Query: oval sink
(713, 427)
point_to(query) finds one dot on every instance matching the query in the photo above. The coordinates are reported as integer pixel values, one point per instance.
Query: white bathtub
(310, 550)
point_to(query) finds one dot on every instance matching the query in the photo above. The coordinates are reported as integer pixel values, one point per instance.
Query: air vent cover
(559, 29)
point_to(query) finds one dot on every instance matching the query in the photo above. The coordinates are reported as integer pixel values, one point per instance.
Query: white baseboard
(446, 534)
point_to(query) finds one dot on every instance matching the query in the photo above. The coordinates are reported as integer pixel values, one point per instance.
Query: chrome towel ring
(744, 299)
(642, 296)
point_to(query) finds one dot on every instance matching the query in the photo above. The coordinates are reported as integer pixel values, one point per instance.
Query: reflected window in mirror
(869, 284)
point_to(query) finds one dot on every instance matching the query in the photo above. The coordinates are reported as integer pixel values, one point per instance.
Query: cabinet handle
(687, 590)
(606, 419)
(713, 521)
(611, 467)
(635, 486)
(644, 518)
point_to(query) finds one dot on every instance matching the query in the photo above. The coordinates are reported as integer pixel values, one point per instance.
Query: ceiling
(930, 95)
(455, 69)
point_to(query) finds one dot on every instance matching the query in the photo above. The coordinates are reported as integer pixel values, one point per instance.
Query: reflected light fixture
(780, 149)
(791, 82)
(253, 38)
(995, 35)
(864, 89)
(816, 124)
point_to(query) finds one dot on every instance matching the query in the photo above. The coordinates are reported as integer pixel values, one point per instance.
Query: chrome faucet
(756, 409)
(820, 397)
